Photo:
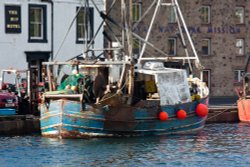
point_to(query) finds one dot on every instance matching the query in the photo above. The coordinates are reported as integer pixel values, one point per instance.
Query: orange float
(163, 116)
(201, 110)
(181, 114)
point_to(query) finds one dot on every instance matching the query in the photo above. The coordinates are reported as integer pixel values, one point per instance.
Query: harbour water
(216, 145)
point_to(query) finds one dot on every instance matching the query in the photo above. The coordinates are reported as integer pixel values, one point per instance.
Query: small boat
(243, 102)
(118, 97)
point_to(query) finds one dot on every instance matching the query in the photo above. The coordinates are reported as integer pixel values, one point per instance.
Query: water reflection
(217, 144)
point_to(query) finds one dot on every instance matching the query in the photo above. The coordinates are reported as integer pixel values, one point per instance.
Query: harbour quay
(19, 125)
(223, 110)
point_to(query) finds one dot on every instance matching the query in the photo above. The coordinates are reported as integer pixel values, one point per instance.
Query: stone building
(220, 31)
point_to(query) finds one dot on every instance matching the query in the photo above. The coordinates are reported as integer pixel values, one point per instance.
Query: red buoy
(201, 110)
(163, 116)
(181, 114)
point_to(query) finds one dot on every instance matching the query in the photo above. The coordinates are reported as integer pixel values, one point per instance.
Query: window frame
(205, 20)
(171, 14)
(239, 75)
(90, 27)
(137, 17)
(241, 18)
(43, 24)
(208, 46)
(241, 47)
(175, 46)
(136, 50)
(208, 82)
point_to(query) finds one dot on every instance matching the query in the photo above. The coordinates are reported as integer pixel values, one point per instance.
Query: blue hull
(69, 119)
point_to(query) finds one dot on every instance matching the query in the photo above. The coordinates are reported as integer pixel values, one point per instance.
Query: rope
(220, 113)
(119, 90)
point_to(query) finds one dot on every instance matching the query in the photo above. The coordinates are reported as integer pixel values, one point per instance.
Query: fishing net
(69, 81)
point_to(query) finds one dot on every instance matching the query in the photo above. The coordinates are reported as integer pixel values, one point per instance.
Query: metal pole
(187, 32)
(122, 19)
(182, 37)
(130, 50)
(149, 30)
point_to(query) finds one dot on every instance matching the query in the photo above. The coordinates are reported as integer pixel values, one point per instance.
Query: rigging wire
(67, 33)
(100, 26)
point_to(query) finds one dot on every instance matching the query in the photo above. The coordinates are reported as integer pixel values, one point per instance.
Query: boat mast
(130, 49)
(199, 66)
(85, 31)
(123, 20)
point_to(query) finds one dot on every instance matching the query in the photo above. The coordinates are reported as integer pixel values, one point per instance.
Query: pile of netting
(70, 82)
(77, 83)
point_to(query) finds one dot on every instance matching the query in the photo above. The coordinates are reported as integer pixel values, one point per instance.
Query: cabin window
(205, 14)
(171, 14)
(238, 75)
(240, 45)
(206, 77)
(172, 46)
(206, 46)
(37, 23)
(239, 15)
(84, 24)
(136, 12)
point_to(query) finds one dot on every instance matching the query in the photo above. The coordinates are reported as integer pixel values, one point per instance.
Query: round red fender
(201, 110)
(163, 116)
(181, 114)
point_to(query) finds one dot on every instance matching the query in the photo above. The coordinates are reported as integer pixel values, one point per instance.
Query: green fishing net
(71, 80)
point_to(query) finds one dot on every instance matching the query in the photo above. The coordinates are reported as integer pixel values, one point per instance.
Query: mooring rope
(221, 112)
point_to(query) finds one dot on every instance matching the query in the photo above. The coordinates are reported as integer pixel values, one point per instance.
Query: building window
(206, 46)
(136, 12)
(84, 25)
(238, 75)
(206, 77)
(240, 45)
(205, 14)
(171, 14)
(172, 46)
(240, 15)
(37, 23)
(136, 46)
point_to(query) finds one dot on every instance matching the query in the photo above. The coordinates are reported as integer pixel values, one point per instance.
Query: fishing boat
(243, 103)
(243, 92)
(124, 95)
